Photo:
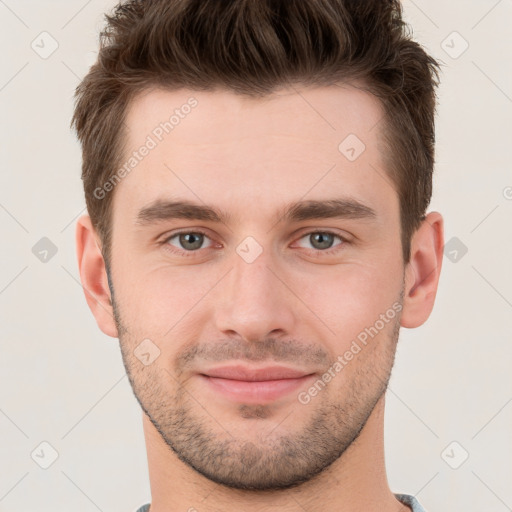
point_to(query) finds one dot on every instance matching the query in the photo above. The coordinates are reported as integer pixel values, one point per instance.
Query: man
(257, 176)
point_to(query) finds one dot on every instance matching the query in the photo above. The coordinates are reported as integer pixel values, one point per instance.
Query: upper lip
(255, 374)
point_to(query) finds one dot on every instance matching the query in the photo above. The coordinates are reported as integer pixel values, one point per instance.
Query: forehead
(218, 146)
(223, 116)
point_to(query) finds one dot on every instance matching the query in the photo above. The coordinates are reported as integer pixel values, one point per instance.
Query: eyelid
(346, 237)
(187, 231)
(324, 231)
(310, 230)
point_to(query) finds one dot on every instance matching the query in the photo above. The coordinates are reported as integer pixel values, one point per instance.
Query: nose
(254, 303)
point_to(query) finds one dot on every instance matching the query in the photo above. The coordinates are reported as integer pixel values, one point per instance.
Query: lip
(254, 385)
(255, 374)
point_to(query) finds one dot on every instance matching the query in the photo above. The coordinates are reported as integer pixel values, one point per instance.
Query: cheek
(154, 300)
(346, 298)
(352, 298)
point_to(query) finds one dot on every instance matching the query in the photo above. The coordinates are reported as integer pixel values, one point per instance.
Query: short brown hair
(252, 47)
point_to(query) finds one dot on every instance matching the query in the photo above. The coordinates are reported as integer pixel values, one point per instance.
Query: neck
(356, 482)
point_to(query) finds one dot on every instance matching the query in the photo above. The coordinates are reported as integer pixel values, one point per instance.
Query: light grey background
(62, 380)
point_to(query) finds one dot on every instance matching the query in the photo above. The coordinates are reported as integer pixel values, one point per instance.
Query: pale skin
(250, 158)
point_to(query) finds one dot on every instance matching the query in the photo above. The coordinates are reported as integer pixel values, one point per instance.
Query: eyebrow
(342, 208)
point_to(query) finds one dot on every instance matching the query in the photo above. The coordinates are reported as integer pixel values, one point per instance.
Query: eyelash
(317, 252)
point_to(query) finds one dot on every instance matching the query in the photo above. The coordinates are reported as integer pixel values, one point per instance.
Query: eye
(188, 240)
(322, 240)
(188, 243)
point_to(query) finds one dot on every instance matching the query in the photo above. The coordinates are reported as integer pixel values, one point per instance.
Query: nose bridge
(254, 302)
(252, 279)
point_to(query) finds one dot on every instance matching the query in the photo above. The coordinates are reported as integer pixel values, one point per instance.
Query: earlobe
(93, 276)
(423, 271)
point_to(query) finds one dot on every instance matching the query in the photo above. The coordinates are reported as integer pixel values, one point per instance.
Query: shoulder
(407, 499)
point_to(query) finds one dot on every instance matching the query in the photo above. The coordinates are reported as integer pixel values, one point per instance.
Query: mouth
(254, 385)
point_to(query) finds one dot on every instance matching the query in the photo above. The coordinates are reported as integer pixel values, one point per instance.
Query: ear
(93, 275)
(423, 270)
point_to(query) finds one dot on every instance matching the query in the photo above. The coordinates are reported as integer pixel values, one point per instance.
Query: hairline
(384, 143)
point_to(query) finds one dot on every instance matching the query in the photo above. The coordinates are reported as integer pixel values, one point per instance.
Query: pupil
(322, 239)
(188, 238)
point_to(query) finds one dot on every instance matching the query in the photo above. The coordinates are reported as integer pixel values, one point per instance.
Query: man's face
(261, 289)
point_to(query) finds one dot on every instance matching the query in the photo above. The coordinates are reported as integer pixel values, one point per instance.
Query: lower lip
(255, 391)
